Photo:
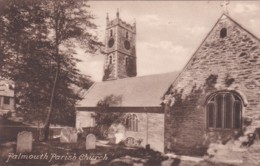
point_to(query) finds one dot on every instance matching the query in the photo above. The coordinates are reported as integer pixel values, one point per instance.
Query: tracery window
(132, 122)
(224, 110)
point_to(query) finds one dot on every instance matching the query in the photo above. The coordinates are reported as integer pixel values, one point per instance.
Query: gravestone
(119, 137)
(24, 142)
(116, 128)
(68, 135)
(73, 136)
(168, 162)
(90, 141)
(138, 164)
(64, 135)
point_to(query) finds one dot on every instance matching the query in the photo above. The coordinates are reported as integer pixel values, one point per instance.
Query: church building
(215, 98)
(140, 98)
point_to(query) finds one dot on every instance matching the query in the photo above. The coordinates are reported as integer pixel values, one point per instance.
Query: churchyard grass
(117, 155)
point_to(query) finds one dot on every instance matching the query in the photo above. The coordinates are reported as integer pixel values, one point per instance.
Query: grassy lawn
(64, 149)
(61, 149)
(113, 155)
(117, 155)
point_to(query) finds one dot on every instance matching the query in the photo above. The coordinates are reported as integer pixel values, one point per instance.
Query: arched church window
(111, 32)
(132, 122)
(224, 111)
(223, 32)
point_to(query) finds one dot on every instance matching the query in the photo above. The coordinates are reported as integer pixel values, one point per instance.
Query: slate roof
(144, 91)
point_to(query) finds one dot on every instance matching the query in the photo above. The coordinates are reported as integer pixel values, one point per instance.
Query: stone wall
(156, 131)
(124, 70)
(232, 64)
(121, 37)
(85, 119)
(150, 128)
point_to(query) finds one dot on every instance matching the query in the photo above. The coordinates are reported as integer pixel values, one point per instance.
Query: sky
(168, 32)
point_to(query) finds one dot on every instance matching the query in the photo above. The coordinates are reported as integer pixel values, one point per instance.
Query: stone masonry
(150, 128)
(120, 32)
(233, 62)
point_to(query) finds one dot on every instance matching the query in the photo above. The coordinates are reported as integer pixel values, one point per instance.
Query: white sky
(168, 32)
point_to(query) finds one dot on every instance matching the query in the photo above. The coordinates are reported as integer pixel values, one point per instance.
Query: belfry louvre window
(224, 110)
(132, 122)
(6, 100)
(126, 61)
(110, 59)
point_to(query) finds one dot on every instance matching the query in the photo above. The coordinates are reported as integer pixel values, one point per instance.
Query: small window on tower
(110, 59)
(111, 32)
(223, 32)
(126, 61)
(6, 100)
(126, 35)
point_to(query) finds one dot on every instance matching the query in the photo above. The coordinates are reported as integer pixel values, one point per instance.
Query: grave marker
(90, 142)
(24, 142)
(68, 135)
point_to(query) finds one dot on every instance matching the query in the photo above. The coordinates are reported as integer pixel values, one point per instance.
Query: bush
(7, 115)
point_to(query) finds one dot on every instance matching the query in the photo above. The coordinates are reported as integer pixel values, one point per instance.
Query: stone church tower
(120, 58)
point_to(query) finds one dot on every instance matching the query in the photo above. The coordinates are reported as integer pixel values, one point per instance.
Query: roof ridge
(94, 84)
(242, 27)
(201, 43)
(138, 76)
(139, 92)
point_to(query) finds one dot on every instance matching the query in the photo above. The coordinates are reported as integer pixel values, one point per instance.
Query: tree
(105, 116)
(40, 39)
(68, 20)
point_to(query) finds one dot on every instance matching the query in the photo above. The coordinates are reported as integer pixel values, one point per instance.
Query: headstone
(24, 142)
(111, 132)
(119, 137)
(112, 140)
(138, 164)
(116, 128)
(64, 135)
(68, 135)
(90, 142)
(147, 147)
(73, 136)
(167, 162)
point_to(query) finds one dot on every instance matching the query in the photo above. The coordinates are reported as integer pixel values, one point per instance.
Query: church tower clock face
(111, 42)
